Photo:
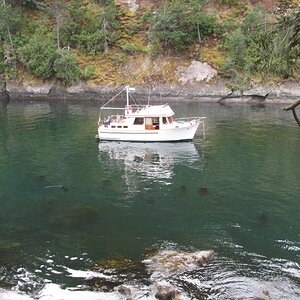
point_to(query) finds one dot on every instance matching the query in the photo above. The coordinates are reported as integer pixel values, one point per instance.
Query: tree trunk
(7, 28)
(57, 14)
(9, 36)
(199, 34)
(104, 28)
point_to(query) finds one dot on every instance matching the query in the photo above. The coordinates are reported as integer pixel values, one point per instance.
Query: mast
(128, 89)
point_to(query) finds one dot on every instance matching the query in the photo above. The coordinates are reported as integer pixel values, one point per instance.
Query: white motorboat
(144, 123)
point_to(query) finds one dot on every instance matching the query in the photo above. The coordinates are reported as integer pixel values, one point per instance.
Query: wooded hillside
(101, 41)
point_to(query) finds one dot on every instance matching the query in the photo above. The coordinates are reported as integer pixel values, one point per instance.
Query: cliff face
(191, 90)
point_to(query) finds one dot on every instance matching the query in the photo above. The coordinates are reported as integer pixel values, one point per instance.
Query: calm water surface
(67, 202)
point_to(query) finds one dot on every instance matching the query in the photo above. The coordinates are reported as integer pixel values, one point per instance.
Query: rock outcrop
(196, 81)
(168, 263)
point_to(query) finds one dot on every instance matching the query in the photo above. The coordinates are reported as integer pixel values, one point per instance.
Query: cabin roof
(154, 111)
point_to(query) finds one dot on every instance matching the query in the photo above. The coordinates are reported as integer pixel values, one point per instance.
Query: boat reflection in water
(149, 162)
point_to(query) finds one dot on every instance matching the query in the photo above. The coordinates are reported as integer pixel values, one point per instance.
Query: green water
(67, 202)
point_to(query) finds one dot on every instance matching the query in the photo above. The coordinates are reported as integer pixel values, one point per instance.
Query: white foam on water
(53, 292)
(9, 295)
(87, 274)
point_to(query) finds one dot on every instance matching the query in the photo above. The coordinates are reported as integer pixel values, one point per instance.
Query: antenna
(149, 96)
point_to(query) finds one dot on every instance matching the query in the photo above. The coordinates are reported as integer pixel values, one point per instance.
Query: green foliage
(11, 22)
(235, 44)
(105, 2)
(40, 53)
(10, 19)
(65, 67)
(285, 53)
(169, 25)
(250, 41)
(179, 23)
(258, 48)
(90, 30)
(75, 22)
(255, 20)
(44, 60)
(89, 72)
(259, 39)
(7, 62)
(227, 2)
(248, 45)
(130, 48)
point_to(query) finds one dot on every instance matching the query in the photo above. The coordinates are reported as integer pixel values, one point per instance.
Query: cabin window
(125, 126)
(119, 126)
(152, 123)
(164, 120)
(155, 121)
(138, 121)
(113, 126)
(170, 120)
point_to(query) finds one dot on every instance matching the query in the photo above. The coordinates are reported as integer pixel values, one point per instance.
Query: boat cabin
(141, 118)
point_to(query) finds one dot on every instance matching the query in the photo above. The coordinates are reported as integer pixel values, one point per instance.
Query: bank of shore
(213, 91)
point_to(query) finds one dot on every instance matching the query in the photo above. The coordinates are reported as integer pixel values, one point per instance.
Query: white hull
(183, 133)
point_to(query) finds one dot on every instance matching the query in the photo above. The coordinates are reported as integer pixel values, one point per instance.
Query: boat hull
(184, 133)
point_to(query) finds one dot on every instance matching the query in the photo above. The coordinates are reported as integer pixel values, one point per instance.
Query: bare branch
(292, 107)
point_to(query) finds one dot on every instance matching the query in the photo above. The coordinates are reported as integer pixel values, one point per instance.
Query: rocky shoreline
(213, 91)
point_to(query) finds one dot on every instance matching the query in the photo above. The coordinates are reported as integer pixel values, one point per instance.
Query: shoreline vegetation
(198, 50)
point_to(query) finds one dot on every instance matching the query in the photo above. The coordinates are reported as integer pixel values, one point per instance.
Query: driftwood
(292, 107)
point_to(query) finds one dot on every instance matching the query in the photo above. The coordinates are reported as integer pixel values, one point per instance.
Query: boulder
(167, 263)
(166, 291)
(195, 72)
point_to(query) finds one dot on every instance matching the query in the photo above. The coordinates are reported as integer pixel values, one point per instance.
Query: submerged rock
(167, 263)
(9, 246)
(116, 272)
(9, 252)
(123, 275)
(203, 191)
(167, 291)
(125, 290)
(262, 219)
(183, 189)
(42, 178)
(77, 216)
(119, 263)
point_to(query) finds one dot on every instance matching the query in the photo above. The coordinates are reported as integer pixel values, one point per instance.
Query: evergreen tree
(91, 31)
(45, 61)
(285, 53)
(10, 23)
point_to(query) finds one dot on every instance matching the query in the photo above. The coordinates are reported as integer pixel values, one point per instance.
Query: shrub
(39, 54)
(235, 44)
(65, 67)
(89, 72)
(44, 60)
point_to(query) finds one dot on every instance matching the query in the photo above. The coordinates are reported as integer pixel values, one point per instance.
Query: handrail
(112, 108)
(190, 118)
